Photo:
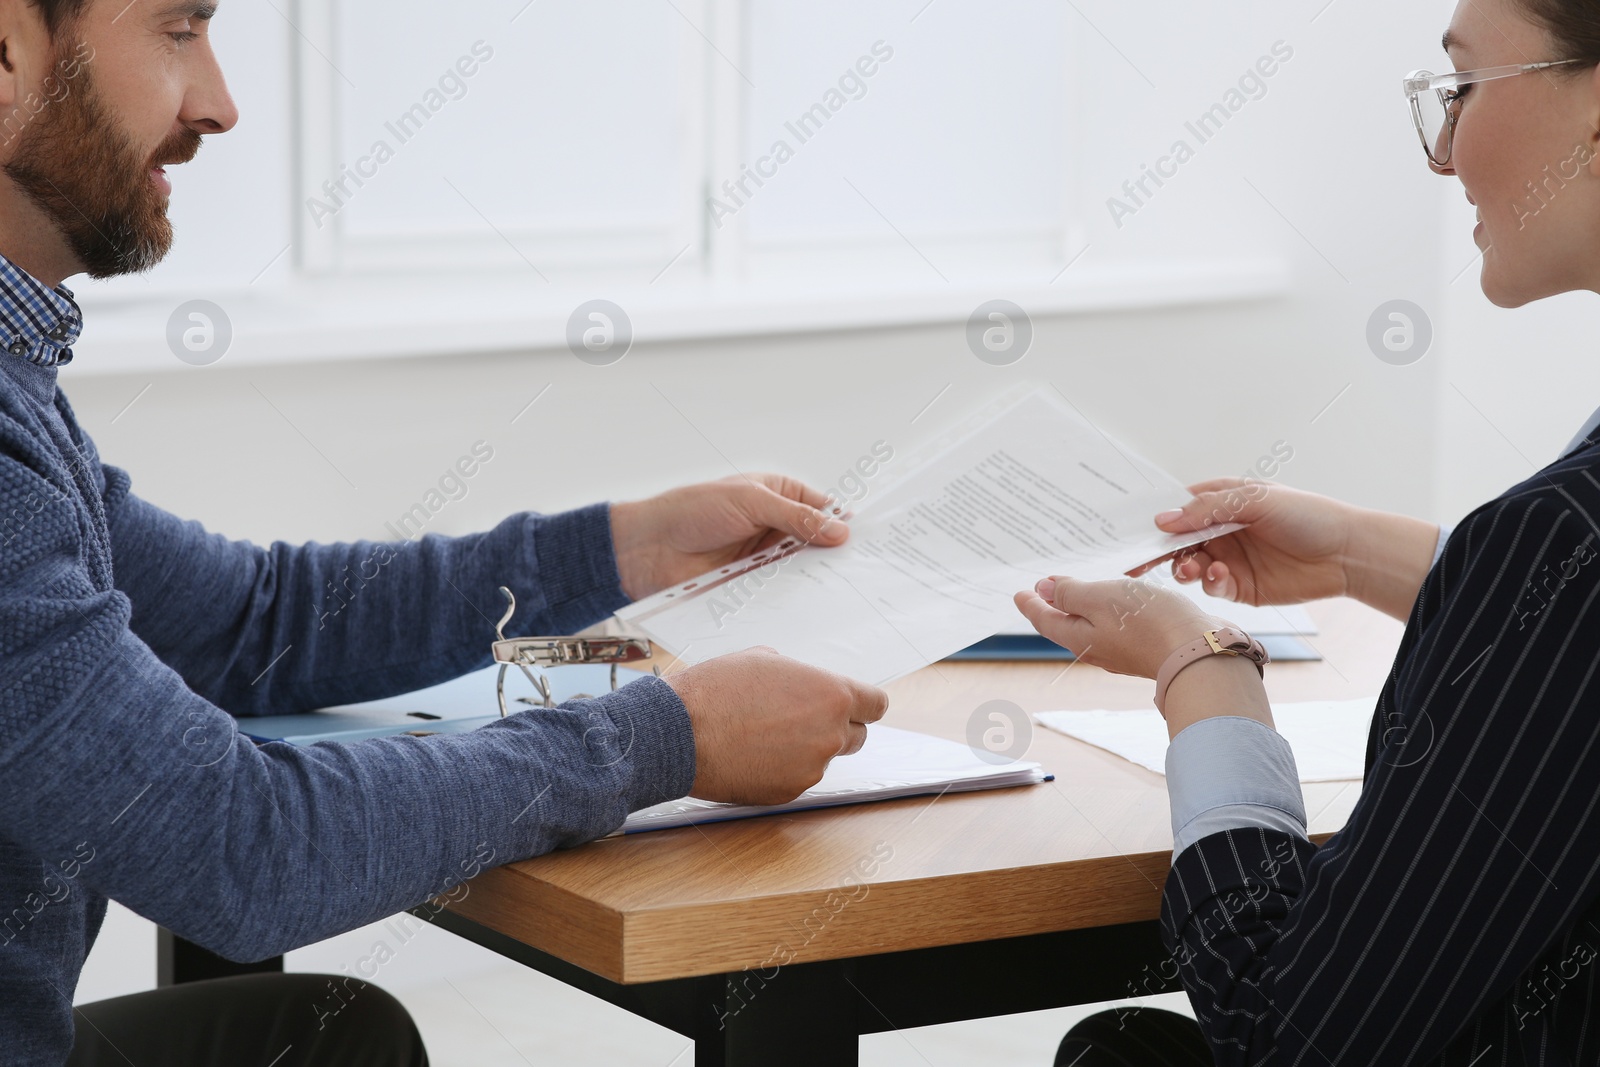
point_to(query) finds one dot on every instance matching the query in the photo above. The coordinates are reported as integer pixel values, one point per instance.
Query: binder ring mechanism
(533, 655)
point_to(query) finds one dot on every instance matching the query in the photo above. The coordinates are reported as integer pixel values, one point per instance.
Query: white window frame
(328, 250)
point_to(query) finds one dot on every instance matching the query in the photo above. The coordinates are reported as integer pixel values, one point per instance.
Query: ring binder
(540, 653)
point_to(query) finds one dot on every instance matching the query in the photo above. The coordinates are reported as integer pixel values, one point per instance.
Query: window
(760, 138)
(717, 166)
(565, 134)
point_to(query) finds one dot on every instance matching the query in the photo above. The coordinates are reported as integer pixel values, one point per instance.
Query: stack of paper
(1329, 737)
(935, 556)
(893, 763)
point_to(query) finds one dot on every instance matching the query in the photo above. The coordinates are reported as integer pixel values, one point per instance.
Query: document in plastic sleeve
(935, 556)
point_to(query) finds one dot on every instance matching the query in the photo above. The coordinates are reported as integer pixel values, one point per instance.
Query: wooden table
(780, 940)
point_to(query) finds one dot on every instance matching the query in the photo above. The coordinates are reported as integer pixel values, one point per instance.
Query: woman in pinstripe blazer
(1456, 918)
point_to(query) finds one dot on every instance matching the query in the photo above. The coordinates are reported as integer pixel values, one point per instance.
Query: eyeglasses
(1436, 101)
(532, 655)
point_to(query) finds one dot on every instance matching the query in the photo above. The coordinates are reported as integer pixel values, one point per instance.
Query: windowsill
(375, 317)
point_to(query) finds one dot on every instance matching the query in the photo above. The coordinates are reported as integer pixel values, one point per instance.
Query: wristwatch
(1223, 641)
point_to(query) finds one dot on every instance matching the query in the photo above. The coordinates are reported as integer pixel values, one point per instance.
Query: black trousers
(1135, 1037)
(259, 1020)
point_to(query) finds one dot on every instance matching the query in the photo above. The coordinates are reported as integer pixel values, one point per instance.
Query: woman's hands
(1299, 546)
(1296, 546)
(1128, 626)
(1293, 548)
(1125, 626)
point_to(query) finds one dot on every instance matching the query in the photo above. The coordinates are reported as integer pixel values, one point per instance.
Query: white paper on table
(892, 764)
(1329, 737)
(936, 554)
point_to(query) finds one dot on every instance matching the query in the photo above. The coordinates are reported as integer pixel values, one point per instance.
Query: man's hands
(686, 532)
(765, 726)
(1301, 546)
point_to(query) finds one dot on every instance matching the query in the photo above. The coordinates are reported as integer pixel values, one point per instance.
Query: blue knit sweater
(128, 636)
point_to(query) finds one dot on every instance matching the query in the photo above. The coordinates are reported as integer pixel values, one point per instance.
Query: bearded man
(129, 639)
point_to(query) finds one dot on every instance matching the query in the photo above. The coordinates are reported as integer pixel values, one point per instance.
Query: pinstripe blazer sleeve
(1474, 850)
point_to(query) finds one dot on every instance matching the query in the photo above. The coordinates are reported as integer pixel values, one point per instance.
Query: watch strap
(1222, 641)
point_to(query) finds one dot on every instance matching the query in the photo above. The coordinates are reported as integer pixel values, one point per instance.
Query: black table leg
(794, 1016)
(179, 961)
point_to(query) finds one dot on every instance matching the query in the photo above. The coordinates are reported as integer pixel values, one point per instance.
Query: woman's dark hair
(1574, 26)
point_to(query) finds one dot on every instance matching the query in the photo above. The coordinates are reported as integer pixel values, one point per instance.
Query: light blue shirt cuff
(1438, 549)
(1228, 773)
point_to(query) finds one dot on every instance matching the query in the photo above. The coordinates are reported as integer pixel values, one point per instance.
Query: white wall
(265, 453)
(1516, 384)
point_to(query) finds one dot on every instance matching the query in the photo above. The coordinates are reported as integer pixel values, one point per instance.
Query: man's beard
(77, 165)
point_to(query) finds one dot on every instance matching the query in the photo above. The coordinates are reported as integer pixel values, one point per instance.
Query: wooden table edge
(628, 947)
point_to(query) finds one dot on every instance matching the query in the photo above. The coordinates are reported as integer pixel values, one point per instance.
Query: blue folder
(1023, 647)
(455, 707)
